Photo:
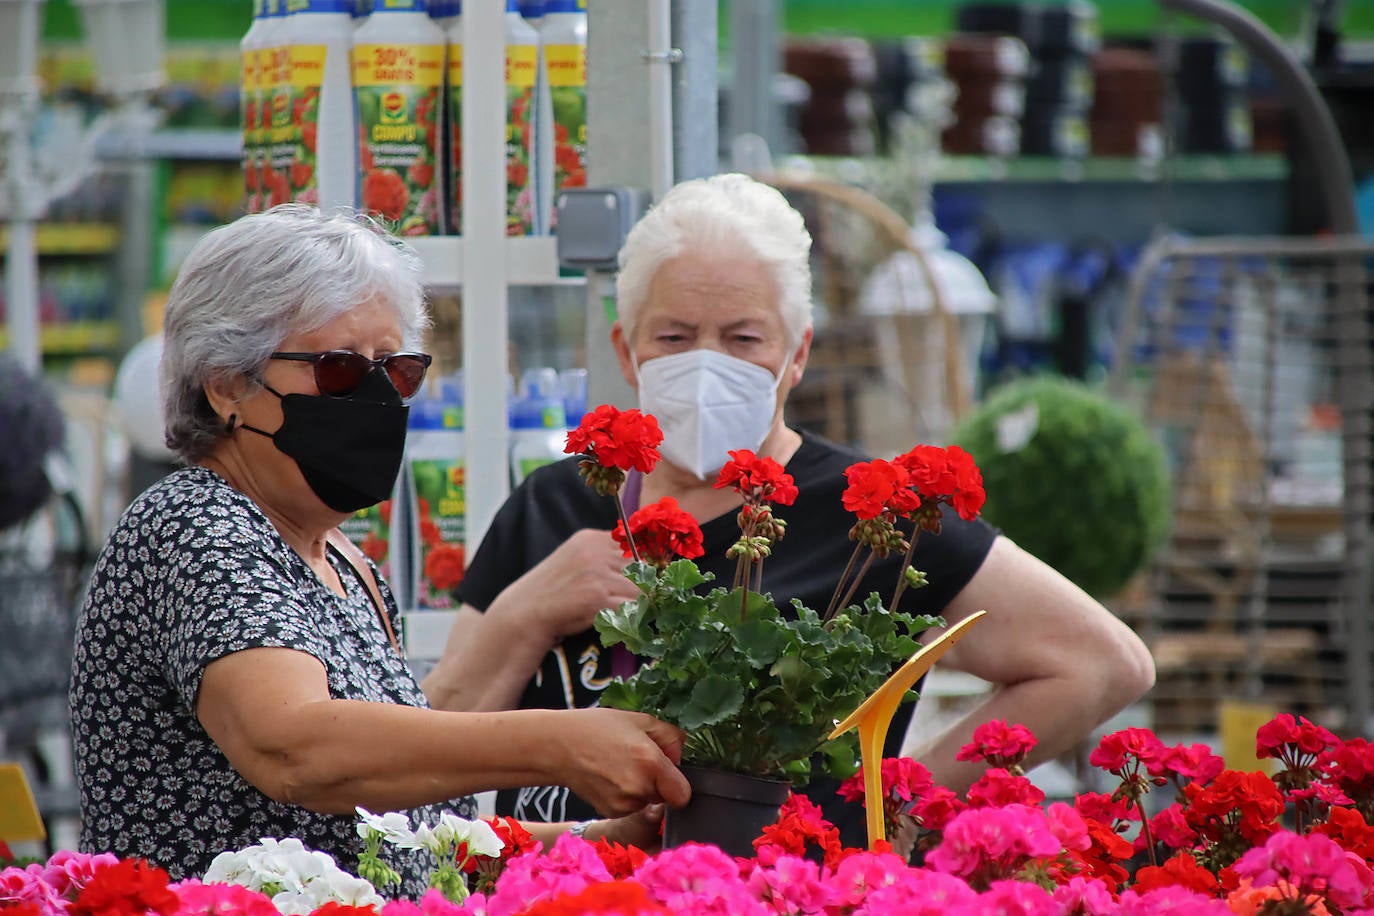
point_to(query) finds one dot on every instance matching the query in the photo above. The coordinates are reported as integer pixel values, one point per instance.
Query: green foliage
(757, 690)
(1084, 486)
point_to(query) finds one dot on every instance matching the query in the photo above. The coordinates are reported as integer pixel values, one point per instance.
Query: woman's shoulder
(192, 498)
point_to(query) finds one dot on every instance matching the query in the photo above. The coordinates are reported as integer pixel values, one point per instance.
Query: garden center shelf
(72, 238)
(1094, 169)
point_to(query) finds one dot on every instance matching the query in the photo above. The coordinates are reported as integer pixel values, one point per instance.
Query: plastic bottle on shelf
(437, 500)
(538, 423)
(522, 71)
(532, 11)
(274, 108)
(398, 74)
(251, 104)
(563, 117)
(445, 12)
(320, 36)
(573, 386)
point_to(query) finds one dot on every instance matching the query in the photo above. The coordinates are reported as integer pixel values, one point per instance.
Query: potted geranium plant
(756, 687)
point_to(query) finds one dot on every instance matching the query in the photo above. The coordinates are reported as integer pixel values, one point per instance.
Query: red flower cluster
(603, 897)
(620, 861)
(758, 479)
(1000, 744)
(624, 439)
(662, 532)
(130, 887)
(946, 475)
(799, 825)
(879, 488)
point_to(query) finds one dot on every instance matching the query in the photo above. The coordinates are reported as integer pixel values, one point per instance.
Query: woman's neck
(307, 538)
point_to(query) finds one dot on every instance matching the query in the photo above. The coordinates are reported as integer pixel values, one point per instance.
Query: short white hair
(722, 213)
(247, 286)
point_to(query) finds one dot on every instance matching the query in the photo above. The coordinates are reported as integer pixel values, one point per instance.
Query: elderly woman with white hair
(714, 329)
(237, 674)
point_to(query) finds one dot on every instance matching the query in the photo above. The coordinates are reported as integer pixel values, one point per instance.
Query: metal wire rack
(44, 565)
(1251, 360)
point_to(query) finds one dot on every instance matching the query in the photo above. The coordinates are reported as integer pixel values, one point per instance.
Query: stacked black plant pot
(1211, 76)
(1060, 40)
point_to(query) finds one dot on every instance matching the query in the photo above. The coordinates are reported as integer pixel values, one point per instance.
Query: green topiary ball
(1071, 476)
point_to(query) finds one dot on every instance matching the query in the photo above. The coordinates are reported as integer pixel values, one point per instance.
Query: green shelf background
(200, 20)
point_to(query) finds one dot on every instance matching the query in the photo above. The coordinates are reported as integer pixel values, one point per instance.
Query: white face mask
(707, 404)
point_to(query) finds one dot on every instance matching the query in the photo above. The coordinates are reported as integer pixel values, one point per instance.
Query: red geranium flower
(799, 824)
(621, 861)
(624, 439)
(603, 897)
(757, 479)
(1247, 805)
(945, 475)
(877, 488)
(130, 887)
(1181, 870)
(662, 532)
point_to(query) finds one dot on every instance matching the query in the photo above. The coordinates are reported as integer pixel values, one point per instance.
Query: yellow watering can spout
(874, 715)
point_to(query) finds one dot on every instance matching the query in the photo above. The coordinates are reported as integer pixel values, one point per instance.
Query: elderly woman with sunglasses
(237, 674)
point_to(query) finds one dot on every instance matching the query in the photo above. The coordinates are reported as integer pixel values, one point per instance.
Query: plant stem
(839, 585)
(858, 577)
(625, 520)
(901, 574)
(1145, 828)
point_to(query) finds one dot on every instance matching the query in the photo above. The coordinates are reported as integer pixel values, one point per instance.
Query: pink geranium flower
(68, 872)
(918, 892)
(861, 874)
(1000, 744)
(698, 879)
(568, 868)
(197, 899)
(790, 885)
(986, 844)
(1312, 864)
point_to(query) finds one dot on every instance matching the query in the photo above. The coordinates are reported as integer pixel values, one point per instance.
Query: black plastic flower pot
(729, 810)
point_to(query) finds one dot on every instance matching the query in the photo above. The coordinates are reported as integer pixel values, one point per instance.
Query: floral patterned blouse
(193, 572)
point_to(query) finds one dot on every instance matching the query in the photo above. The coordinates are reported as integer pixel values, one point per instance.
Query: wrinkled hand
(643, 829)
(621, 761)
(564, 592)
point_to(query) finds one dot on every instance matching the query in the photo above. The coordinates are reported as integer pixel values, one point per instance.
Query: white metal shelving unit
(483, 263)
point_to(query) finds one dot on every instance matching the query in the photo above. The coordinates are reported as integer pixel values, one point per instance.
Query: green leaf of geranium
(714, 699)
(624, 624)
(620, 695)
(762, 641)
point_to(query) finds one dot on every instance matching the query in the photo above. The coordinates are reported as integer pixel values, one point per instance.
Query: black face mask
(349, 449)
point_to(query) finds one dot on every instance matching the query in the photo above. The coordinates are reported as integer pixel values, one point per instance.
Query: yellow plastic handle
(19, 818)
(874, 715)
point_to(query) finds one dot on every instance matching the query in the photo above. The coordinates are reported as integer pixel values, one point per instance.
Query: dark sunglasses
(338, 373)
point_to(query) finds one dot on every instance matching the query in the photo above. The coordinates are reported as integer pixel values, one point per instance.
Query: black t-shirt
(554, 502)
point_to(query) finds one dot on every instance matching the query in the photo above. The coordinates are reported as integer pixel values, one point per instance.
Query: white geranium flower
(393, 825)
(298, 879)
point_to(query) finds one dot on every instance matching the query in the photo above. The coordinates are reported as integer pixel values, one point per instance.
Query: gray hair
(720, 213)
(247, 286)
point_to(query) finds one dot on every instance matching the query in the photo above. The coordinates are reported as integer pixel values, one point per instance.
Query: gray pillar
(617, 133)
